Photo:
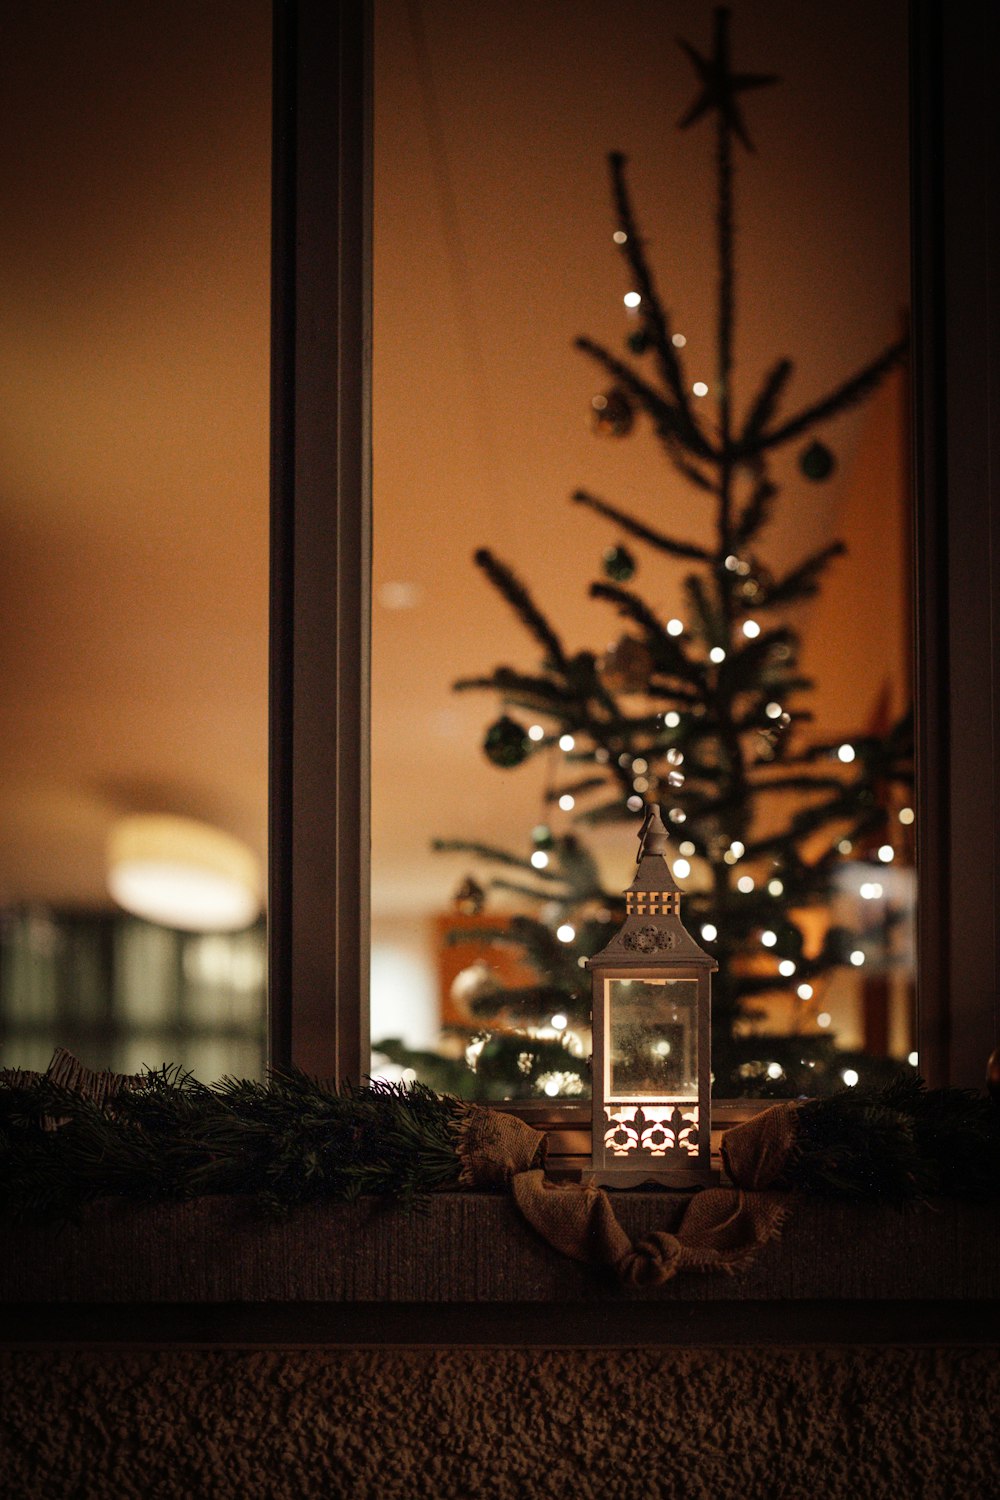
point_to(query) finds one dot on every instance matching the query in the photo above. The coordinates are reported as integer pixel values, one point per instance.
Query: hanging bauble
(506, 743)
(619, 564)
(626, 666)
(613, 414)
(817, 462)
(470, 898)
(477, 982)
(638, 341)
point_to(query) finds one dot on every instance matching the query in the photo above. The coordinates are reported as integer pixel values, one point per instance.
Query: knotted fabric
(722, 1228)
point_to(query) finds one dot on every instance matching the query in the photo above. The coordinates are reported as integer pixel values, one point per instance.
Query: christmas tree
(703, 716)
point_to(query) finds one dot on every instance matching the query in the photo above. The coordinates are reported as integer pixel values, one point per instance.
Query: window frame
(321, 535)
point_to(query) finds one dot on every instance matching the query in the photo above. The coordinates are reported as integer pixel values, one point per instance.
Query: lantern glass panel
(651, 1046)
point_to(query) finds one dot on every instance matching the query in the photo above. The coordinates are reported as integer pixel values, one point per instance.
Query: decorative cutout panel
(652, 1129)
(649, 939)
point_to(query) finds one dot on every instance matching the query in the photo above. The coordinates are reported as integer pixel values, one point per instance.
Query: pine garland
(296, 1140)
(290, 1141)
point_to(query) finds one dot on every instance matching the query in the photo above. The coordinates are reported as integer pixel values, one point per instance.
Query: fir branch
(515, 888)
(652, 309)
(574, 788)
(669, 420)
(803, 581)
(756, 512)
(487, 852)
(851, 393)
(639, 528)
(518, 597)
(765, 405)
(709, 620)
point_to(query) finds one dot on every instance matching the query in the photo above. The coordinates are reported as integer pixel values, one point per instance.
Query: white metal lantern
(652, 1029)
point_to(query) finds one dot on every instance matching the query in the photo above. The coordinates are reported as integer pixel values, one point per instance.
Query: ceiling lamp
(183, 874)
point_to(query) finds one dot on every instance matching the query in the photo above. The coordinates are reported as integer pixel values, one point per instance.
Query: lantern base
(670, 1177)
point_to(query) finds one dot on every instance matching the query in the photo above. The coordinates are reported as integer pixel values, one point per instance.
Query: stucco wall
(510, 1424)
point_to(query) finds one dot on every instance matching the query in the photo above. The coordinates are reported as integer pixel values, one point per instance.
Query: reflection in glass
(134, 370)
(653, 1037)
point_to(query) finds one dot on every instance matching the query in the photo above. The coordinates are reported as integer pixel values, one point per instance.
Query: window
(319, 827)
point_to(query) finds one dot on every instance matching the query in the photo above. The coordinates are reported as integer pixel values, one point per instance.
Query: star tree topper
(719, 85)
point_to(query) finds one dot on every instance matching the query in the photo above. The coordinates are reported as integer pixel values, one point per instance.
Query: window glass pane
(134, 245)
(713, 646)
(653, 1035)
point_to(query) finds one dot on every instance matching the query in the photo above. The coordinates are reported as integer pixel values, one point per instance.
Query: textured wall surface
(510, 1424)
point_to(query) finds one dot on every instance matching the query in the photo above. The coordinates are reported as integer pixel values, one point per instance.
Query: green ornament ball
(542, 836)
(817, 462)
(506, 743)
(619, 564)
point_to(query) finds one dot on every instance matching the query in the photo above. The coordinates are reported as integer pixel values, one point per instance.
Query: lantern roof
(653, 871)
(652, 932)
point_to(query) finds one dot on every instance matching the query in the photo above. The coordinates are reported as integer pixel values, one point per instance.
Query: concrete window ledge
(468, 1270)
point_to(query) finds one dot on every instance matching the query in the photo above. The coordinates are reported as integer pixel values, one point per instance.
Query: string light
(678, 340)
(639, 765)
(850, 1077)
(775, 1070)
(566, 933)
(675, 778)
(913, 1059)
(567, 742)
(805, 991)
(536, 732)
(773, 710)
(559, 1022)
(887, 854)
(751, 629)
(769, 938)
(675, 627)
(824, 1018)
(846, 754)
(539, 859)
(634, 804)
(672, 719)
(682, 868)
(745, 884)
(641, 784)
(632, 299)
(675, 757)
(619, 237)
(775, 887)
(677, 815)
(699, 388)
(738, 848)
(906, 815)
(786, 968)
(709, 932)
(870, 890)
(732, 562)
(716, 654)
(687, 848)
(845, 846)
(857, 958)
(566, 802)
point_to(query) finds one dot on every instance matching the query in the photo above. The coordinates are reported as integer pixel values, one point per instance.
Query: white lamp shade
(182, 873)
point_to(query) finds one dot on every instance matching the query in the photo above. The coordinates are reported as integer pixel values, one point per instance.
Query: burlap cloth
(721, 1228)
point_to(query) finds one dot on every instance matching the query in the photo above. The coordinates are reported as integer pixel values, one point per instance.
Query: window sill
(470, 1271)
